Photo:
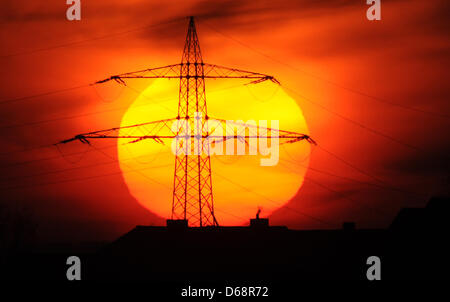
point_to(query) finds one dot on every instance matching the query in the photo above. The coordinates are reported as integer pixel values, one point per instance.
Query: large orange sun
(240, 184)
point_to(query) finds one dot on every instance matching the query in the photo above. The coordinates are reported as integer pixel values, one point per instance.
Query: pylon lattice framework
(192, 185)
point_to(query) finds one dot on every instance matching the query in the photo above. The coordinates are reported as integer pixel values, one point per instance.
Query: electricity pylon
(192, 186)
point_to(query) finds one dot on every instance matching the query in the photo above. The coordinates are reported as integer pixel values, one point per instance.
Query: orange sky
(324, 50)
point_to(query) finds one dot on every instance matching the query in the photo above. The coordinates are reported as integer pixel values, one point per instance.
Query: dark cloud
(439, 20)
(434, 160)
(24, 11)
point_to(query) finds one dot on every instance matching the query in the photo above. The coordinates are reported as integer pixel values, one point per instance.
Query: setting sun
(240, 185)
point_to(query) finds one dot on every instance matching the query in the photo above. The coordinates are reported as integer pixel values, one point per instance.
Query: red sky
(346, 67)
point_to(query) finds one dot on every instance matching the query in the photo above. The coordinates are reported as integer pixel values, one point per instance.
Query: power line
(66, 170)
(29, 149)
(74, 179)
(81, 115)
(105, 175)
(391, 188)
(89, 177)
(71, 44)
(49, 158)
(28, 97)
(269, 199)
(385, 186)
(352, 90)
(138, 171)
(347, 163)
(372, 130)
(288, 161)
(108, 110)
(330, 111)
(75, 116)
(164, 185)
(338, 193)
(89, 40)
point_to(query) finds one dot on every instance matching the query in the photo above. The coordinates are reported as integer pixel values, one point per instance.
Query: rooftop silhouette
(276, 252)
(413, 247)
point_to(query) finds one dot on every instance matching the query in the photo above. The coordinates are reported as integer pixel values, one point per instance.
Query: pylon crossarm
(238, 130)
(285, 138)
(168, 72)
(282, 139)
(211, 71)
(156, 130)
(220, 72)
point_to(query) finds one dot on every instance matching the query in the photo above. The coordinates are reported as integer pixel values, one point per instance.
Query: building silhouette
(413, 247)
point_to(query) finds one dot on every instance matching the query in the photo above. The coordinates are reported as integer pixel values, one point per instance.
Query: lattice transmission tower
(192, 185)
